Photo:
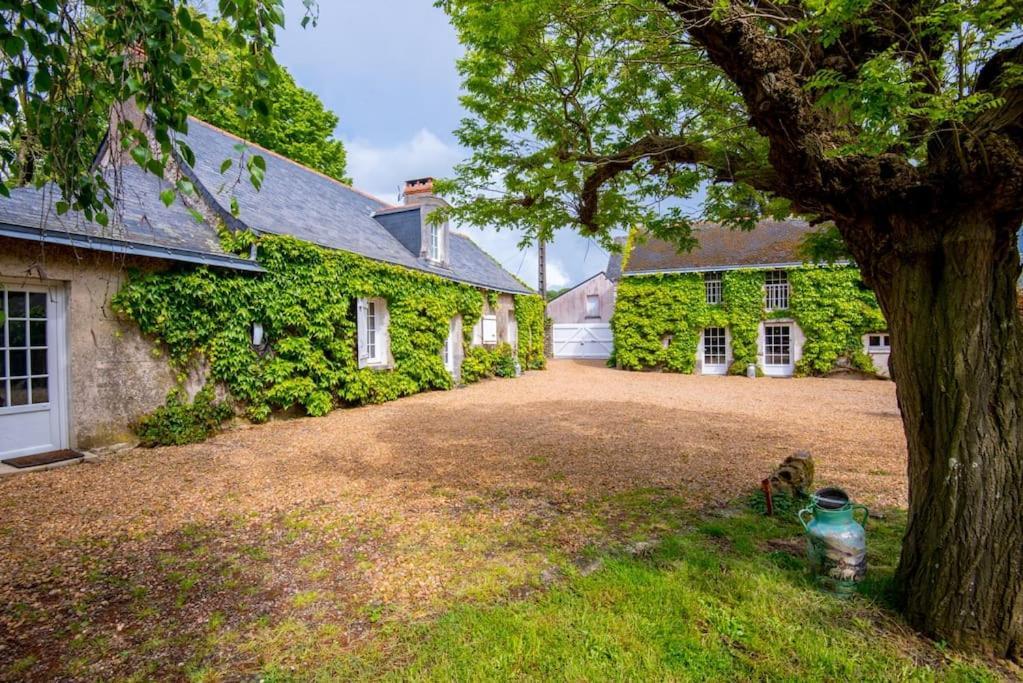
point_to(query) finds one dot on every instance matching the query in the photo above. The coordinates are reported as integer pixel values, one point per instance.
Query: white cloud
(382, 170)
(556, 277)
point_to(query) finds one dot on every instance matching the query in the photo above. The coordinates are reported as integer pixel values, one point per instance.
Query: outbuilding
(581, 319)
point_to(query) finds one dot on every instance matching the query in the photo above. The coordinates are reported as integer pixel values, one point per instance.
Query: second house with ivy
(742, 303)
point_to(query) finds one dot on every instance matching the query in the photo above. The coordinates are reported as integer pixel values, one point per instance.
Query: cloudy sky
(387, 68)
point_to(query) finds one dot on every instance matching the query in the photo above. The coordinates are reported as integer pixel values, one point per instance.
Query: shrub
(504, 361)
(179, 422)
(477, 364)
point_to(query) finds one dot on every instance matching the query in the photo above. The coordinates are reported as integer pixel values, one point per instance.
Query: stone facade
(114, 374)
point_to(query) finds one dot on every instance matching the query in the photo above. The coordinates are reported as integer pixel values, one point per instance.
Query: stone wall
(115, 374)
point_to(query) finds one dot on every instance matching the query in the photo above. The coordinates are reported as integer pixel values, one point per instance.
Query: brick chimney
(419, 191)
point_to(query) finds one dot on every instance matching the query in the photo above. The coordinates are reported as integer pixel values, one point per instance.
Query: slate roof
(771, 243)
(613, 272)
(141, 226)
(295, 200)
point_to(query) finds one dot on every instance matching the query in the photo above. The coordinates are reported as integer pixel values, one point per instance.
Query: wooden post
(768, 497)
(541, 278)
(541, 285)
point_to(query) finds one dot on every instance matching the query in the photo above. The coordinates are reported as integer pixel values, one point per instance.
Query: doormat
(42, 458)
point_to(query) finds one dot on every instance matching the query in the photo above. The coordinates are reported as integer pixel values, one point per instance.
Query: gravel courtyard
(316, 530)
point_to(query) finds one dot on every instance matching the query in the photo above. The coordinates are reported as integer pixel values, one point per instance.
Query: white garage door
(584, 340)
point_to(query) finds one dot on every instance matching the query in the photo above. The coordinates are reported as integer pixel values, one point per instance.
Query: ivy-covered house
(740, 299)
(304, 294)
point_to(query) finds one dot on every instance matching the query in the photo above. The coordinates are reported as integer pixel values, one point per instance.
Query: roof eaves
(706, 269)
(126, 248)
(395, 209)
(575, 287)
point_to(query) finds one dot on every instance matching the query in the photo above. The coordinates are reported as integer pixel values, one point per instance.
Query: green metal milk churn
(836, 542)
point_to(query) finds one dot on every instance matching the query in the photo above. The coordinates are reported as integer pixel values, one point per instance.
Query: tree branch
(662, 152)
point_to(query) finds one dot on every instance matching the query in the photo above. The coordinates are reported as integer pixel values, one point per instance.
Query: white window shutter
(383, 333)
(490, 329)
(361, 325)
(477, 332)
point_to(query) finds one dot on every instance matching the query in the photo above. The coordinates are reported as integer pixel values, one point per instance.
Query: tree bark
(957, 358)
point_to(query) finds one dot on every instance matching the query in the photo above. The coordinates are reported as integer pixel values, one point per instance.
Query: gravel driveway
(396, 510)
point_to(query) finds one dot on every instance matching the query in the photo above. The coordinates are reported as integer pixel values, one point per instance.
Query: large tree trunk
(957, 358)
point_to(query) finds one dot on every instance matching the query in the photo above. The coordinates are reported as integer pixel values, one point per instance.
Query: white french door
(715, 351)
(779, 359)
(33, 392)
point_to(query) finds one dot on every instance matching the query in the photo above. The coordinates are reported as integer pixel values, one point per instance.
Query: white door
(715, 352)
(583, 340)
(779, 358)
(32, 370)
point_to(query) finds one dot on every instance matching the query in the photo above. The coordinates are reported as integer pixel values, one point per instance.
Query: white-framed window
(436, 238)
(777, 345)
(592, 306)
(25, 343)
(489, 329)
(879, 342)
(715, 346)
(776, 290)
(374, 342)
(712, 286)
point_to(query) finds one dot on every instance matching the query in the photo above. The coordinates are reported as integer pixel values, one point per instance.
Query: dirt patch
(335, 524)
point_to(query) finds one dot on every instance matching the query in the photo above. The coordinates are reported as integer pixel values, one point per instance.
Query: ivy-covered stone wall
(658, 319)
(305, 302)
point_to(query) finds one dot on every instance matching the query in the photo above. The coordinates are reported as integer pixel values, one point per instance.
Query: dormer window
(436, 242)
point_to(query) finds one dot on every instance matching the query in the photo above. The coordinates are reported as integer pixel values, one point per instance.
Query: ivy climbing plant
(305, 302)
(658, 319)
(834, 309)
(530, 314)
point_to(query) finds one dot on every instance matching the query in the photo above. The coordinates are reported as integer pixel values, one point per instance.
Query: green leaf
(140, 155)
(155, 166)
(186, 187)
(167, 196)
(62, 207)
(227, 163)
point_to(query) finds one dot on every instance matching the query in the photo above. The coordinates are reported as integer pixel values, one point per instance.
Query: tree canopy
(593, 114)
(65, 63)
(901, 122)
(297, 125)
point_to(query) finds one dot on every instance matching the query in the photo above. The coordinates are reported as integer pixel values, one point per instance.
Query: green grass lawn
(725, 599)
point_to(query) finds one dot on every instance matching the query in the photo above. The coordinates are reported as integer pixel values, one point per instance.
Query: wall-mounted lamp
(257, 334)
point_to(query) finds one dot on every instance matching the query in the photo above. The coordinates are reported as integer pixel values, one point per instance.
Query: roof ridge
(292, 161)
